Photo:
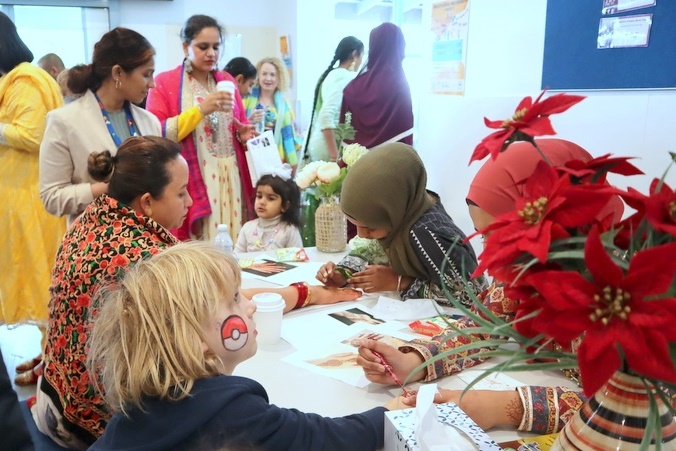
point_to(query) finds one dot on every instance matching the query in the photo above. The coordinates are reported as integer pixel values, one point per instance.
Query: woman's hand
(331, 295)
(400, 402)
(246, 132)
(328, 275)
(375, 278)
(257, 115)
(402, 363)
(217, 101)
(488, 408)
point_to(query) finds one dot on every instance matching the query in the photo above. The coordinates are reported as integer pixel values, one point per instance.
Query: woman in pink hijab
(379, 98)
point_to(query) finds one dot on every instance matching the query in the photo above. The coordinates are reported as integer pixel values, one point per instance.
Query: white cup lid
(225, 85)
(268, 301)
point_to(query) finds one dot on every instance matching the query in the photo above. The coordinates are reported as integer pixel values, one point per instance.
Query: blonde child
(277, 206)
(165, 344)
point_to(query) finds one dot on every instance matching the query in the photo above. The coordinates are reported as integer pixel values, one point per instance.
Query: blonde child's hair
(282, 73)
(148, 337)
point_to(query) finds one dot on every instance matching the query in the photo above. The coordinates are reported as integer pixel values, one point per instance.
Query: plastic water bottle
(260, 126)
(222, 239)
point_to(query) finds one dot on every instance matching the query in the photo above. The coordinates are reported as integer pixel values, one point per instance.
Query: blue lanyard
(111, 129)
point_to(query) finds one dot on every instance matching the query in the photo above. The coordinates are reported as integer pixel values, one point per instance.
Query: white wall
(260, 22)
(504, 64)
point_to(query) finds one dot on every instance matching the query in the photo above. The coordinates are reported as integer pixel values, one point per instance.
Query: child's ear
(285, 206)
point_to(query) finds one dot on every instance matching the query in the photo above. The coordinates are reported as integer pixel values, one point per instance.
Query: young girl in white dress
(277, 206)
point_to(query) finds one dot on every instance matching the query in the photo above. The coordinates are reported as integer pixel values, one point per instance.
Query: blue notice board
(572, 61)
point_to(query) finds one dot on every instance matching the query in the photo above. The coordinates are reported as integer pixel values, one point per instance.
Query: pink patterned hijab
(495, 187)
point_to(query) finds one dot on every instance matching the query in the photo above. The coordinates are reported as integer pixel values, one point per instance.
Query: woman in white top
(321, 142)
(121, 74)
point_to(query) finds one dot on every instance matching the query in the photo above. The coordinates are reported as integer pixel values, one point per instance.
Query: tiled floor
(19, 344)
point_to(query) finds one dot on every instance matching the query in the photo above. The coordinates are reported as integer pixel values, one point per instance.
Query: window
(68, 31)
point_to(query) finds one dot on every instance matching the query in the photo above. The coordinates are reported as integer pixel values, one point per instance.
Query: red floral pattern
(106, 238)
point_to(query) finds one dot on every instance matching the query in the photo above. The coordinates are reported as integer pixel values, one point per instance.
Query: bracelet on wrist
(304, 294)
(239, 139)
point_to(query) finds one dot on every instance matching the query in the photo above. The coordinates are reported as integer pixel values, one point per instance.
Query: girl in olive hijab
(384, 194)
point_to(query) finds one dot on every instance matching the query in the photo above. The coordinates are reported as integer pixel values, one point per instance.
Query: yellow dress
(29, 236)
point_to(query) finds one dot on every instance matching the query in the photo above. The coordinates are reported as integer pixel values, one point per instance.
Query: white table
(294, 387)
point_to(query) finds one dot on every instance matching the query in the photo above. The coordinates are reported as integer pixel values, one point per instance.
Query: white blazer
(72, 133)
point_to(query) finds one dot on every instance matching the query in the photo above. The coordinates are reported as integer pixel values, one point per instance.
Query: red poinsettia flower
(531, 118)
(612, 312)
(552, 206)
(660, 207)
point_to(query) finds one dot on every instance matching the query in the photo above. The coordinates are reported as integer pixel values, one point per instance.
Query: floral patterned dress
(105, 239)
(220, 169)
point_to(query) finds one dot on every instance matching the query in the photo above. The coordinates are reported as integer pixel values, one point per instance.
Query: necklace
(111, 129)
(258, 243)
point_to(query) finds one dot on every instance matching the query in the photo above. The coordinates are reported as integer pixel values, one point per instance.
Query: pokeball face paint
(234, 333)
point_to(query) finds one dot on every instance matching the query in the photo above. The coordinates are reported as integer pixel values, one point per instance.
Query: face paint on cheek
(234, 333)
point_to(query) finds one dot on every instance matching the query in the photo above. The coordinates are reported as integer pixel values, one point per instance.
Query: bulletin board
(572, 60)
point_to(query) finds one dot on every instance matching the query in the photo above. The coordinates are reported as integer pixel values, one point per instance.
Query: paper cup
(226, 85)
(268, 317)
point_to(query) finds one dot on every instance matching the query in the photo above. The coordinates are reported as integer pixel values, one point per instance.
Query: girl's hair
(344, 50)
(13, 51)
(148, 337)
(120, 46)
(139, 167)
(240, 66)
(289, 192)
(195, 24)
(282, 73)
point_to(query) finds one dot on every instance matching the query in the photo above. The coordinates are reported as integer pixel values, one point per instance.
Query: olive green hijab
(386, 189)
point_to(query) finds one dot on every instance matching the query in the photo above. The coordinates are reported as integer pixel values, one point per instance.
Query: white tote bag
(262, 155)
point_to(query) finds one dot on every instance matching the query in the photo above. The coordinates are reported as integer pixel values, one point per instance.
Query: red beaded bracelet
(303, 294)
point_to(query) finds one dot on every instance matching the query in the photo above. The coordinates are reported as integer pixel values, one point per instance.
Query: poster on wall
(285, 51)
(450, 24)
(625, 31)
(618, 6)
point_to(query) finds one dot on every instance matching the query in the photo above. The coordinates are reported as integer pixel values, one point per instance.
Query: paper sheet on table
(302, 271)
(331, 325)
(338, 361)
(409, 310)
(459, 381)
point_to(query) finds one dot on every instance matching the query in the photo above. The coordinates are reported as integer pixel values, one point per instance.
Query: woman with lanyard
(121, 73)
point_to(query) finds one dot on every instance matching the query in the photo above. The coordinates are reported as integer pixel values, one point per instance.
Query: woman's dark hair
(197, 23)
(241, 66)
(120, 46)
(139, 167)
(13, 51)
(289, 192)
(344, 50)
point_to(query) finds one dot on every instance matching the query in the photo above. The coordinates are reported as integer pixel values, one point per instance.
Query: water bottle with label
(222, 239)
(260, 125)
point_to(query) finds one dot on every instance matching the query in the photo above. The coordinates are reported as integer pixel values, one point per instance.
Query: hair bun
(101, 165)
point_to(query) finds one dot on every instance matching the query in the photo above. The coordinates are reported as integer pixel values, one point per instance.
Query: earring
(149, 212)
(352, 66)
(118, 83)
(188, 65)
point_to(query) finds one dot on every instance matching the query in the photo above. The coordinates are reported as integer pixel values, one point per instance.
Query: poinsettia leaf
(643, 280)
(539, 126)
(602, 268)
(596, 366)
(559, 103)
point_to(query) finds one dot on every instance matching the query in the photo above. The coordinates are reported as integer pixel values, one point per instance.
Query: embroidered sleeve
(432, 248)
(495, 301)
(547, 409)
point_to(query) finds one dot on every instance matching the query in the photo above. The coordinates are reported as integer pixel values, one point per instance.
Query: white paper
(262, 155)
(409, 310)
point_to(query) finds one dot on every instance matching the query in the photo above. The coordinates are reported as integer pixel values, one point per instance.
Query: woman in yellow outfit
(30, 236)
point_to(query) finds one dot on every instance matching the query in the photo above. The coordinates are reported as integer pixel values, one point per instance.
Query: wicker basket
(330, 226)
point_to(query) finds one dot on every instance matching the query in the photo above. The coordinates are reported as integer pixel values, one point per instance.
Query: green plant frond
(653, 424)
(659, 386)
(666, 171)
